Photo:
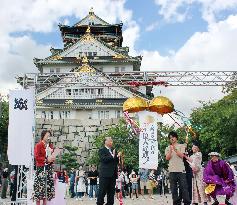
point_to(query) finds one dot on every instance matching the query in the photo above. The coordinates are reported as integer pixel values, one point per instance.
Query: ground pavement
(165, 200)
(157, 200)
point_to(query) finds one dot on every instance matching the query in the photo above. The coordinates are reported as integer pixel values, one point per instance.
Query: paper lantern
(135, 104)
(161, 105)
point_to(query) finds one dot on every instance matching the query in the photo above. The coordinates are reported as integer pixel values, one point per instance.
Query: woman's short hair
(173, 134)
(43, 133)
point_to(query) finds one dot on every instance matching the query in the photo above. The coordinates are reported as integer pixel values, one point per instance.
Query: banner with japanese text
(21, 127)
(148, 144)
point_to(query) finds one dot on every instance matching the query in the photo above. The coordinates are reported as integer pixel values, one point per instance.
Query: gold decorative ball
(161, 105)
(135, 104)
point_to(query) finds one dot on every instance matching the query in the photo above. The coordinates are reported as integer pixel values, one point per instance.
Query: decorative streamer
(132, 123)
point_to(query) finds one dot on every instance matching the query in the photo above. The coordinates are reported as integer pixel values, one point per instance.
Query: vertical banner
(21, 127)
(148, 144)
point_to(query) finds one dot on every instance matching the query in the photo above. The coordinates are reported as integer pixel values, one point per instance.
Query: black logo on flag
(20, 104)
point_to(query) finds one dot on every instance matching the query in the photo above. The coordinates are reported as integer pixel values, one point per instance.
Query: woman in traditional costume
(195, 161)
(233, 199)
(219, 175)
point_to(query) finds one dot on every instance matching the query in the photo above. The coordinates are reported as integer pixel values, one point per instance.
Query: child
(152, 183)
(134, 180)
(119, 182)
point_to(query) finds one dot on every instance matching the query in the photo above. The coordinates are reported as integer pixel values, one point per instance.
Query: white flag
(148, 144)
(21, 127)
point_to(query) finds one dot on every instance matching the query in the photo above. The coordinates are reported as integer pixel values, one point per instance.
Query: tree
(4, 118)
(231, 86)
(218, 122)
(123, 140)
(69, 158)
(129, 144)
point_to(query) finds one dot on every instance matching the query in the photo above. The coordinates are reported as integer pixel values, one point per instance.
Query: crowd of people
(6, 182)
(128, 184)
(186, 178)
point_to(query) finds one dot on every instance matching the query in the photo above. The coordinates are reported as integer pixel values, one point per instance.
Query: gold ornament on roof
(86, 69)
(135, 104)
(39, 102)
(85, 60)
(57, 57)
(87, 38)
(91, 17)
(162, 105)
(88, 30)
(69, 102)
(119, 56)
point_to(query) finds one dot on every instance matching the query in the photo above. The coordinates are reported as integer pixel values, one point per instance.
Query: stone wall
(79, 133)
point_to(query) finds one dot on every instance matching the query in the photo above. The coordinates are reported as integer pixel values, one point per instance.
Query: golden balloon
(161, 105)
(135, 104)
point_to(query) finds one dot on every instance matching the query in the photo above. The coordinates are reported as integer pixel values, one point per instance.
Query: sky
(169, 34)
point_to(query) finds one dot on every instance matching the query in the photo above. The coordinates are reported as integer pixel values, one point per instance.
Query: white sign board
(21, 127)
(148, 144)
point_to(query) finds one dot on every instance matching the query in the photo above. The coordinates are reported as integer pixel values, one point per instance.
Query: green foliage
(218, 122)
(69, 158)
(123, 140)
(4, 117)
(129, 144)
(231, 86)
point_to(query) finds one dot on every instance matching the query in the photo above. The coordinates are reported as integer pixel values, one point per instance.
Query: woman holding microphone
(44, 183)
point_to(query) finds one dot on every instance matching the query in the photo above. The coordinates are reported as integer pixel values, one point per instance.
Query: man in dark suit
(107, 172)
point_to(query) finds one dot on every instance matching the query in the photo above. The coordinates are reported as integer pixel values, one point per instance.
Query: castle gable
(91, 19)
(88, 46)
(86, 82)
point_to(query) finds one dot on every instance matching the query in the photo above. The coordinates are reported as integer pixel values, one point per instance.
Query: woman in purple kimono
(218, 172)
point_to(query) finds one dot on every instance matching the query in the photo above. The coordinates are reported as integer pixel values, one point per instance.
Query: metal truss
(43, 81)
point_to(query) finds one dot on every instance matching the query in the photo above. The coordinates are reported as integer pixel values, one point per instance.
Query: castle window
(122, 69)
(67, 114)
(68, 92)
(92, 91)
(100, 91)
(51, 70)
(94, 53)
(118, 113)
(43, 114)
(57, 70)
(116, 69)
(107, 114)
(75, 92)
(51, 115)
(103, 114)
(89, 53)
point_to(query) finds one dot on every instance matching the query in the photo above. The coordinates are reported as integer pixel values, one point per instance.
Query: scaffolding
(43, 81)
